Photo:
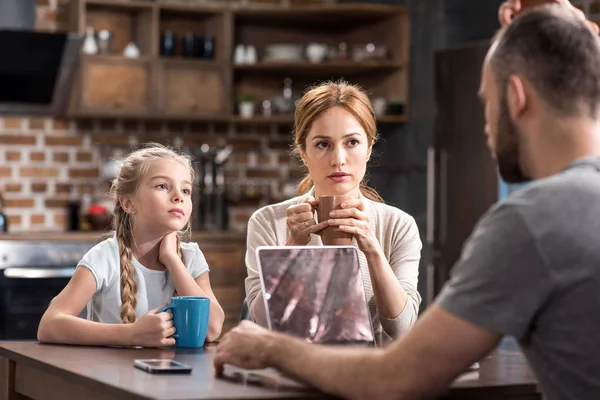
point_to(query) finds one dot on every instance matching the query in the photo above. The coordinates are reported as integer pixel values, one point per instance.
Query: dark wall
(17, 14)
(399, 173)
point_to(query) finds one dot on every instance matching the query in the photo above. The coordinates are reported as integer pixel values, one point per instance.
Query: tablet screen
(316, 293)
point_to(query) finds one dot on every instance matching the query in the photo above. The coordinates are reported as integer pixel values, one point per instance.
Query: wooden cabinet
(225, 254)
(185, 89)
(120, 87)
(176, 85)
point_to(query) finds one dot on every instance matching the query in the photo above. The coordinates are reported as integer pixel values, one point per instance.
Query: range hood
(37, 68)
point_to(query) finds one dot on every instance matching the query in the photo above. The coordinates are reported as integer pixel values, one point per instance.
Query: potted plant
(245, 103)
(395, 105)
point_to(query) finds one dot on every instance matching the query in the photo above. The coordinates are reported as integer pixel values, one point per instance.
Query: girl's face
(164, 198)
(336, 153)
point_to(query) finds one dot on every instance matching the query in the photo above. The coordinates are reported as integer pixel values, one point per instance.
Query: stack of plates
(283, 52)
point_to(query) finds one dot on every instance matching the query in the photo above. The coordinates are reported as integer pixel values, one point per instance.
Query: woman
(335, 131)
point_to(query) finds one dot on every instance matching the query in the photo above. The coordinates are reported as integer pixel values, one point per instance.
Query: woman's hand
(167, 252)
(353, 219)
(153, 329)
(510, 8)
(301, 222)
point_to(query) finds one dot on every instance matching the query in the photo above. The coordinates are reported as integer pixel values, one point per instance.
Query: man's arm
(421, 363)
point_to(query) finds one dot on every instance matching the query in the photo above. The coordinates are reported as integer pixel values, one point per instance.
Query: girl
(133, 273)
(335, 130)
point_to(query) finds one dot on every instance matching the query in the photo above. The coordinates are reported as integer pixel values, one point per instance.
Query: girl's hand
(167, 251)
(153, 329)
(353, 219)
(301, 222)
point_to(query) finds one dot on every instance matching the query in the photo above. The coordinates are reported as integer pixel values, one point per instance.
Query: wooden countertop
(96, 236)
(50, 371)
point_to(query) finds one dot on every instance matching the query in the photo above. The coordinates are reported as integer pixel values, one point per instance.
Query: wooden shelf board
(391, 119)
(288, 119)
(305, 67)
(275, 119)
(190, 62)
(190, 8)
(114, 57)
(121, 4)
(320, 10)
(150, 116)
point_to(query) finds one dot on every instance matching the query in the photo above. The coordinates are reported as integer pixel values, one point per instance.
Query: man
(531, 268)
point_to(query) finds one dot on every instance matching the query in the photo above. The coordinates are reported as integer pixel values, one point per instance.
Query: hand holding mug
(301, 222)
(350, 217)
(154, 329)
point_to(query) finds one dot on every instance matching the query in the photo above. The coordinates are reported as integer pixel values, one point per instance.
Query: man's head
(543, 67)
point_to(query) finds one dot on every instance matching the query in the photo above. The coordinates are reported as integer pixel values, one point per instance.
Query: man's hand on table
(245, 346)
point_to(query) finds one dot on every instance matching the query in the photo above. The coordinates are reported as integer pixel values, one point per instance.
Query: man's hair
(558, 52)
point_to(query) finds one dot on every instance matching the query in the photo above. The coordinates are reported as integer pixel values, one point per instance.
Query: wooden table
(29, 370)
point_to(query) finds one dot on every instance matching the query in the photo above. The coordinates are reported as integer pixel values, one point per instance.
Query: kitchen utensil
(316, 52)
(104, 41)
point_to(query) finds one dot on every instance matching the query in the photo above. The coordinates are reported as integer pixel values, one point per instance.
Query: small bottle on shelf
(3, 217)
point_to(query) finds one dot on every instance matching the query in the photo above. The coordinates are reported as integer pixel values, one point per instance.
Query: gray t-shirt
(154, 287)
(531, 269)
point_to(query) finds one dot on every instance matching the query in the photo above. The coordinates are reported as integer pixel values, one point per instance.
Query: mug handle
(167, 307)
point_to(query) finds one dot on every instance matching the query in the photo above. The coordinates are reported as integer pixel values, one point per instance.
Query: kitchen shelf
(117, 5)
(332, 15)
(182, 8)
(197, 62)
(116, 58)
(154, 87)
(326, 67)
(288, 119)
(391, 119)
(275, 119)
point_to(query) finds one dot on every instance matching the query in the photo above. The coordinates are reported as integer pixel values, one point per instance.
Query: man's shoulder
(570, 187)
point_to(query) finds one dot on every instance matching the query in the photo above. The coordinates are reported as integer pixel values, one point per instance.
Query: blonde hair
(127, 182)
(321, 98)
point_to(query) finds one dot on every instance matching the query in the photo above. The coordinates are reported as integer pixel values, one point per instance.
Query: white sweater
(396, 232)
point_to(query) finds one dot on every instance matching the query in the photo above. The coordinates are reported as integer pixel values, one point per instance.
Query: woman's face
(336, 153)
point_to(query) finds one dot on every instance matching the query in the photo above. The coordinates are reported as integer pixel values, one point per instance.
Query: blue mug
(190, 317)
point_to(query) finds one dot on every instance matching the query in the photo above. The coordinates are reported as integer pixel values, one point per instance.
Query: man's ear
(516, 97)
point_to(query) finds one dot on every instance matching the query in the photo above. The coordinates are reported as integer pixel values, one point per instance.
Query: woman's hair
(323, 97)
(127, 182)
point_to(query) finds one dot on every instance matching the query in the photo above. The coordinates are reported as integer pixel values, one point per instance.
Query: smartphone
(162, 366)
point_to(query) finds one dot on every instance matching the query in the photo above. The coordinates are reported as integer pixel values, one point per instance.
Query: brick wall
(43, 160)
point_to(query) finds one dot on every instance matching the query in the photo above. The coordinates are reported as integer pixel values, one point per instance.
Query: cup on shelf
(379, 106)
(168, 42)
(207, 47)
(190, 45)
(131, 51)
(104, 41)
